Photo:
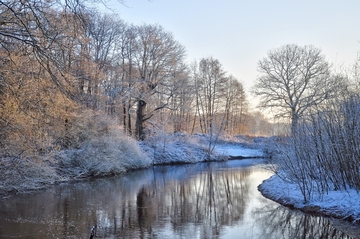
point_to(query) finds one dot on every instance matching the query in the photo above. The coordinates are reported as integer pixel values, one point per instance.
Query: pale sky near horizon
(239, 33)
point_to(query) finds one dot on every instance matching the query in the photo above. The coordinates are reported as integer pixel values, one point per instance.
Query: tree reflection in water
(190, 201)
(277, 221)
(210, 200)
(195, 207)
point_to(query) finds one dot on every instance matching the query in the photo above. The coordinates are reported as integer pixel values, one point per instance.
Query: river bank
(106, 157)
(344, 205)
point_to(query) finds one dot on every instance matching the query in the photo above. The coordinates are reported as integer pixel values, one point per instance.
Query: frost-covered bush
(110, 154)
(82, 126)
(17, 175)
(293, 165)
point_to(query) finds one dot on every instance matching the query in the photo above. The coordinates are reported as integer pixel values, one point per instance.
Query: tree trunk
(139, 127)
(294, 121)
(129, 118)
(124, 116)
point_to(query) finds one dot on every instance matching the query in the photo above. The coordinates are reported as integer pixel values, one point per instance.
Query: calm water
(206, 200)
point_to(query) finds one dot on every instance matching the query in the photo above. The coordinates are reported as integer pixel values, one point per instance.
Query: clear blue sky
(239, 33)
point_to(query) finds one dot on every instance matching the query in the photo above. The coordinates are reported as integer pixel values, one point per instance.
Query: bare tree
(210, 85)
(106, 41)
(235, 106)
(182, 102)
(157, 58)
(219, 101)
(293, 79)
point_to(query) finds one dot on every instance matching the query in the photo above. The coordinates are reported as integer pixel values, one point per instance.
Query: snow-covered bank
(338, 204)
(238, 151)
(312, 180)
(111, 155)
(183, 148)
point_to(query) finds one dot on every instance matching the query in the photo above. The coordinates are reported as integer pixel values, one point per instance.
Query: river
(204, 200)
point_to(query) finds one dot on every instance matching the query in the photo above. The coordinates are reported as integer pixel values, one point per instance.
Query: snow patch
(339, 204)
(237, 150)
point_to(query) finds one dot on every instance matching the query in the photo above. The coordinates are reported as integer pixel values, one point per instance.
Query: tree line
(62, 63)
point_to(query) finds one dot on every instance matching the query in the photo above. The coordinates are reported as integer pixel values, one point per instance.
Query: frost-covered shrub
(82, 126)
(292, 165)
(112, 153)
(19, 175)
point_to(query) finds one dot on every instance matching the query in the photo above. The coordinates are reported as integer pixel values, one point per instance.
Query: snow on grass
(237, 150)
(338, 204)
(176, 149)
(183, 148)
(175, 152)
